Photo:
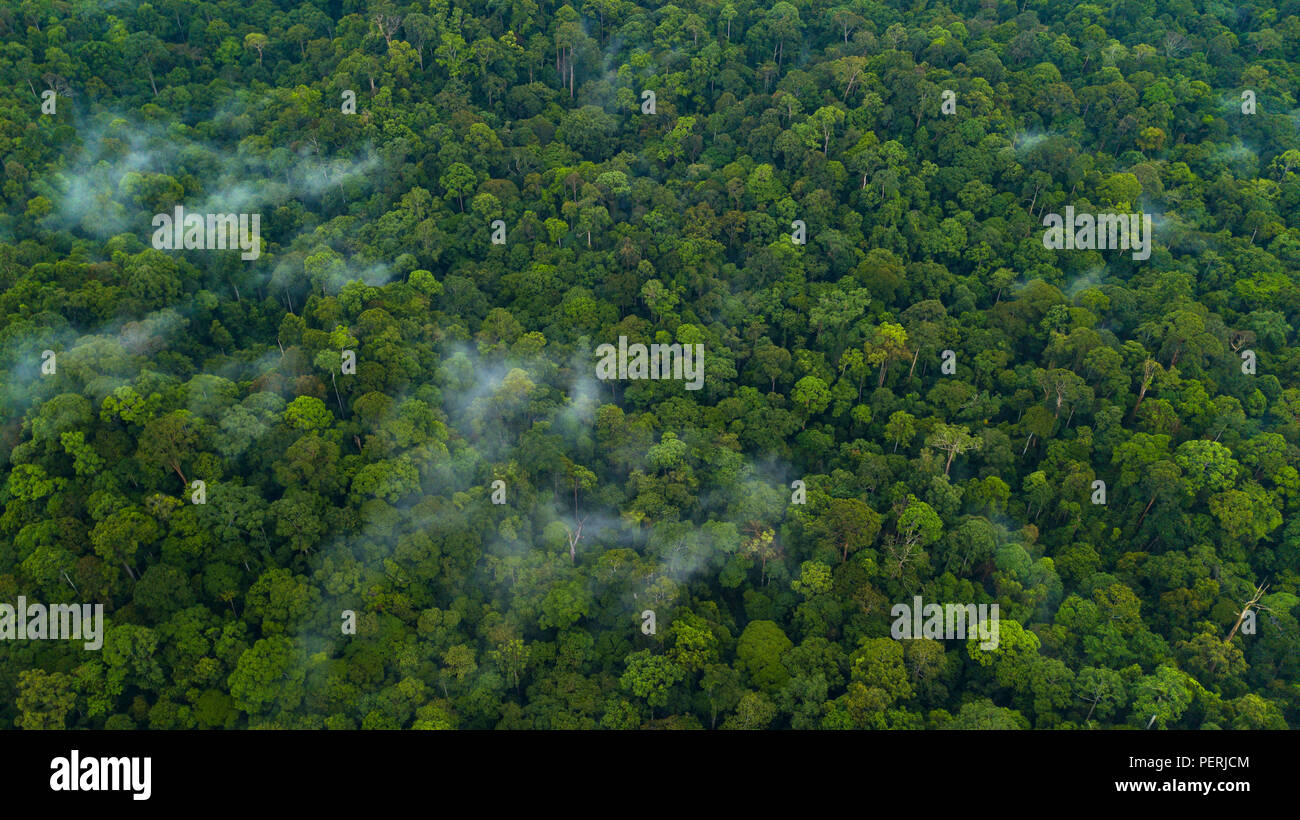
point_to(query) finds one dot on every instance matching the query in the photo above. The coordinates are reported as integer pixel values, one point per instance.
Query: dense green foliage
(329, 491)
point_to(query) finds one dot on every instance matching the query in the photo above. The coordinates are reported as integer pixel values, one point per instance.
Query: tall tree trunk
(1148, 509)
(337, 397)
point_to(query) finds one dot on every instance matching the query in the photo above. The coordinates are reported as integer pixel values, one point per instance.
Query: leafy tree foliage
(354, 562)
